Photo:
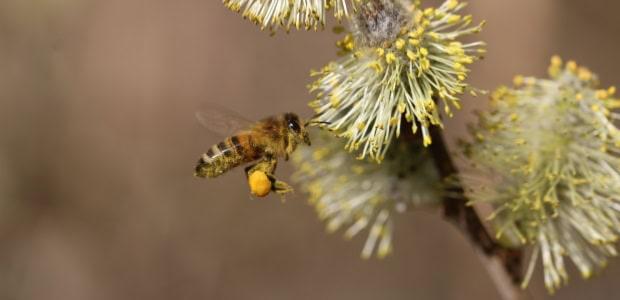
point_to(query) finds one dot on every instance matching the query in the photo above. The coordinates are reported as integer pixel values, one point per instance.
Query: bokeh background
(98, 141)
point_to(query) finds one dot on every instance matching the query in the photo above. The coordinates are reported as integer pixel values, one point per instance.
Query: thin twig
(503, 264)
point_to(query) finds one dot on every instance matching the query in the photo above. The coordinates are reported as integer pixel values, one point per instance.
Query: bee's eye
(294, 126)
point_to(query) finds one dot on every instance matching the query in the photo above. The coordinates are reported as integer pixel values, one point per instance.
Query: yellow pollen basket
(259, 183)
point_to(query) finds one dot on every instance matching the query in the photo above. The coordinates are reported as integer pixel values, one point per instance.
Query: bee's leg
(280, 187)
(249, 170)
(290, 148)
(268, 165)
(277, 186)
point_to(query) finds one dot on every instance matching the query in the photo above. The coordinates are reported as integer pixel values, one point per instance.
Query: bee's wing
(222, 121)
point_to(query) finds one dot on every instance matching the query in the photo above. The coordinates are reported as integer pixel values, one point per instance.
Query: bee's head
(297, 128)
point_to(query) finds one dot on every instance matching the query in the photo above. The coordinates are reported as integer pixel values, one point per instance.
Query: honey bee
(260, 143)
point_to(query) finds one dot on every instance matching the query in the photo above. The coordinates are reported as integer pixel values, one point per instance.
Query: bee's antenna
(312, 122)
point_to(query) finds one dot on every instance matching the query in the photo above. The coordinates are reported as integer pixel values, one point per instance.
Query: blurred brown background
(98, 142)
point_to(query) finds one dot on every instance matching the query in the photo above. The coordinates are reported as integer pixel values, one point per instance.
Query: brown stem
(467, 220)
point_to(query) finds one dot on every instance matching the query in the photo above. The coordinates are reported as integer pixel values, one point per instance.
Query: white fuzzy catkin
(367, 94)
(379, 21)
(554, 152)
(358, 195)
(287, 14)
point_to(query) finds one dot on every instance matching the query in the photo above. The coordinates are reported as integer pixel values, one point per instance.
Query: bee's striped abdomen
(226, 155)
